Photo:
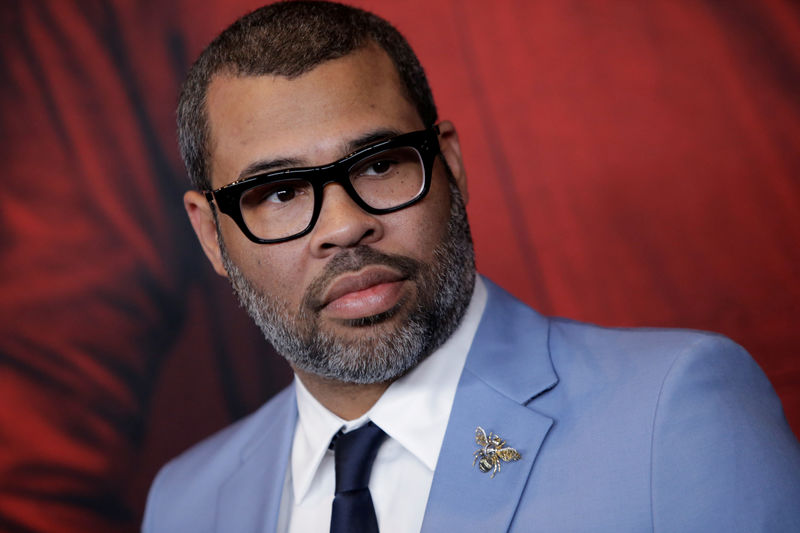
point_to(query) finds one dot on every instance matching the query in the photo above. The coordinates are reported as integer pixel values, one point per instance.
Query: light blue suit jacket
(619, 429)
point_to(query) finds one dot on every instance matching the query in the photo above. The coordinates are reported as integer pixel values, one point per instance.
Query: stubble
(385, 346)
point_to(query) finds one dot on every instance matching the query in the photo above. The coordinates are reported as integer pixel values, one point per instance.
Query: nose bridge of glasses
(336, 191)
(341, 219)
(338, 174)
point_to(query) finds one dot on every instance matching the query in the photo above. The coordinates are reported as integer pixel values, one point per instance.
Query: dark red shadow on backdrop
(630, 164)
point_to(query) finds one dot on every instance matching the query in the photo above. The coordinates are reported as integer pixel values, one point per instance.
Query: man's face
(362, 298)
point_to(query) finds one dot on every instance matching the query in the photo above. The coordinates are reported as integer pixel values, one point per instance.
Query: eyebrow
(353, 145)
(371, 137)
(265, 165)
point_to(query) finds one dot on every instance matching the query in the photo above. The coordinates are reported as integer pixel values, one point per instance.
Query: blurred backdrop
(629, 163)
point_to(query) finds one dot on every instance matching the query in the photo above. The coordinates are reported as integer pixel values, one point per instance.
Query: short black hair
(288, 39)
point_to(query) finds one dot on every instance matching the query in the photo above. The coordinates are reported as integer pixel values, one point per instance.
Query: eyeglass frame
(228, 197)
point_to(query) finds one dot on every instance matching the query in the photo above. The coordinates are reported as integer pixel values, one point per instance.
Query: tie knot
(354, 453)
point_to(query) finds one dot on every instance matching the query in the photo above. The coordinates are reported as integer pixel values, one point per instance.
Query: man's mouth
(371, 291)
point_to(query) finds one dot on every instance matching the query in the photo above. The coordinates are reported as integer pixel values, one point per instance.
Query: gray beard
(380, 354)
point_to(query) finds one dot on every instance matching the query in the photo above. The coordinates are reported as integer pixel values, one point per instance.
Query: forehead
(308, 118)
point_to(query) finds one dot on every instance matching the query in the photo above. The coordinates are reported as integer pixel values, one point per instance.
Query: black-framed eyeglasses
(381, 178)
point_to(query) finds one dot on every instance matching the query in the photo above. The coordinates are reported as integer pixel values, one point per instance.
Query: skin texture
(312, 120)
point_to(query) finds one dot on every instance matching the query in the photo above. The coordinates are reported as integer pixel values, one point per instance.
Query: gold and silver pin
(492, 450)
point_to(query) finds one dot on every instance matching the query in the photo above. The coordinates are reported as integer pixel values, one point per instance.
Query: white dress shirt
(413, 412)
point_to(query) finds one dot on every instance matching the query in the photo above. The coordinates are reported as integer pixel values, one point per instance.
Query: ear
(202, 219)
(451, 151)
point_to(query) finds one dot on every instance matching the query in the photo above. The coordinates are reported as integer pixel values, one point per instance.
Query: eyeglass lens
(285, 208)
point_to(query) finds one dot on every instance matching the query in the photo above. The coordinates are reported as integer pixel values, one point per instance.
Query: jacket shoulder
(712, 427)
(188, 485)
(640, 349)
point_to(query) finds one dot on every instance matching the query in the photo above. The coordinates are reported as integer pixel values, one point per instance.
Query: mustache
(352, 261)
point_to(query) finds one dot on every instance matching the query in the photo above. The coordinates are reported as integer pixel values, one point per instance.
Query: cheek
(277, 273)
(426, 225)
(276, 270)
(415, 237)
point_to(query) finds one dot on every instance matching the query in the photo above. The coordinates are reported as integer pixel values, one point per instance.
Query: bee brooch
(492, 450)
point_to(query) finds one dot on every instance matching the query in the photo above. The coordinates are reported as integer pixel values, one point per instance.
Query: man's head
(289, 39)
(361, 296)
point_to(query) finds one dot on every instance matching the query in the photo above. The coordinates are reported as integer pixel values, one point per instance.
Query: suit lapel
(250, 499)
(508, 365)
(463, 498)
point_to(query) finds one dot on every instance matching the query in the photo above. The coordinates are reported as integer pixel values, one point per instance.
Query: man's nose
(342, 223)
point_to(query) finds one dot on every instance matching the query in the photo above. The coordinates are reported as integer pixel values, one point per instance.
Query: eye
(378, 168)
(276, 194)
(282, 195)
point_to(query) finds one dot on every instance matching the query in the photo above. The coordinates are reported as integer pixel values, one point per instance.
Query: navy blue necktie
(354, 454)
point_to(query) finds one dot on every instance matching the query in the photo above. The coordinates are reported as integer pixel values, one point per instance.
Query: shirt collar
(414, 410)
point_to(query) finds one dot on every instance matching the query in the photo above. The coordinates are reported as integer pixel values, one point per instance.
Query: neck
(346, 400)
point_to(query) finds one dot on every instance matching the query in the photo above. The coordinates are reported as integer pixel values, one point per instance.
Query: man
(333, 200)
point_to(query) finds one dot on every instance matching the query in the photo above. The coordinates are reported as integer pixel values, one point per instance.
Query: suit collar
(511, 351)
(508, 365)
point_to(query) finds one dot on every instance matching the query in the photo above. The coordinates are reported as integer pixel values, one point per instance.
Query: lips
(359, 282)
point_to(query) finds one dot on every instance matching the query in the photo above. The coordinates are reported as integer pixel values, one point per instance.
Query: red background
(630, 163)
